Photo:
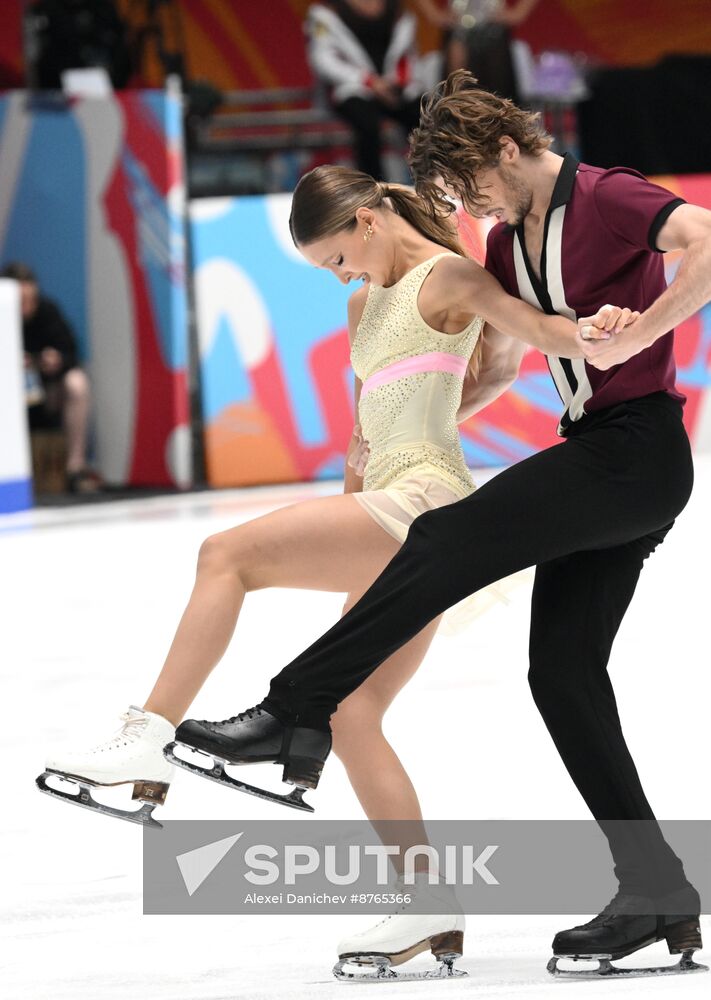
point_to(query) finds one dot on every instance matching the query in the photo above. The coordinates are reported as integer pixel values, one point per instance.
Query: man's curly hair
(458, 135)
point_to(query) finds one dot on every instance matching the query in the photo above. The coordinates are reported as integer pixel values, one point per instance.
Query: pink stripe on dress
(435, 361)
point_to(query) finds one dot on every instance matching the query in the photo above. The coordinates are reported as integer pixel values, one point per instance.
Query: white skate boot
(402, 935)
(133, 756)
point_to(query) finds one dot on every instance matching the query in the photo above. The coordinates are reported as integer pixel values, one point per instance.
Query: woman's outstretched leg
(328, 544)
(325, 544)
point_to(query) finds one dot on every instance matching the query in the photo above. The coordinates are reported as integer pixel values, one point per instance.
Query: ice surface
(89, 600)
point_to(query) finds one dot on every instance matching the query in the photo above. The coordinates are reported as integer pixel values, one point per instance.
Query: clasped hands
(611, 336)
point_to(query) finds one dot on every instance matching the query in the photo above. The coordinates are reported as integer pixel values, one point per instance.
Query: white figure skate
(402, 935)
(133, 756)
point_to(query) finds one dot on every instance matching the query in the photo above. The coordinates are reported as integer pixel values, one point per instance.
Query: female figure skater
(413, 348)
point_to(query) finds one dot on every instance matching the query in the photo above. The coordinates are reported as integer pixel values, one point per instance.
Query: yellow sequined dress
(412, 377)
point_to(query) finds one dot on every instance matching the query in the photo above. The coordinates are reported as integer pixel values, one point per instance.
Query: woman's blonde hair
(327, 198)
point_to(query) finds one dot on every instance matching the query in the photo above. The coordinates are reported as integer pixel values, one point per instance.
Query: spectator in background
(481, 41)
(365, 52)
(58, 390)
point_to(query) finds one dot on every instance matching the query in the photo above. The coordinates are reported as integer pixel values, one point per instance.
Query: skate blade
(83, 797)
(384, 973)
(217, 773)
(607, 970)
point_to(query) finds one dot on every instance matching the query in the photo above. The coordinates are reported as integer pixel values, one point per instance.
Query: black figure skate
(628, 923)
(253, 737)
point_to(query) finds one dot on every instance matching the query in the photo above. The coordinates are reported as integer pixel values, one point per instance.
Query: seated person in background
(58, 390)
(365, 51)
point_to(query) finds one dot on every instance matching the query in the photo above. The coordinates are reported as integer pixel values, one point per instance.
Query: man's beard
(521, 196)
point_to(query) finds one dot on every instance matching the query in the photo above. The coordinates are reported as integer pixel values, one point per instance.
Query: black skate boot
(631, 922)
(253, 737)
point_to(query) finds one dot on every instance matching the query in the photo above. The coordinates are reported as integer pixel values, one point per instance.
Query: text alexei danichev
(280, 898)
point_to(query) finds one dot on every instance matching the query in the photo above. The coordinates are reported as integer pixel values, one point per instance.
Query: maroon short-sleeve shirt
(599, 246)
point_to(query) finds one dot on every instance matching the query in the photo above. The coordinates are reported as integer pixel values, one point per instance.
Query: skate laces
(131, 729)
(243, 716)
(400, 887)
(405, 889)
(603, 916)
(133, 725)
(620, 903)
(401, 907)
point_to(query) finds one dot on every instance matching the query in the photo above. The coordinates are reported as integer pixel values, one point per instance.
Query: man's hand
(358, 458)
(598, 337)
(384, 90)
(50, 361)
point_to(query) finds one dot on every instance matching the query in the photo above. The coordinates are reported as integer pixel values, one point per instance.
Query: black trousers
(364, 117)
(587, 512)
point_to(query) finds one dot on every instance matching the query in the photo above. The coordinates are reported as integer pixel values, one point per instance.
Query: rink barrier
(15, 467)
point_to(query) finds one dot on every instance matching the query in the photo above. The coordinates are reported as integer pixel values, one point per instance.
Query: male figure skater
(586, 512)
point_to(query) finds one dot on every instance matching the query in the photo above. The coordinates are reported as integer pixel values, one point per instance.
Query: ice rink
(90, 598)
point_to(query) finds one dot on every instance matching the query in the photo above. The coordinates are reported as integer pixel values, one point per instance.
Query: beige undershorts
(395, 507)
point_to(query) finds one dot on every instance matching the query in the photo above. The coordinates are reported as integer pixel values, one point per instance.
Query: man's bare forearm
(689, 292)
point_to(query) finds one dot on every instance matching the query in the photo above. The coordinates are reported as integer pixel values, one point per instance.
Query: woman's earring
(367, 234)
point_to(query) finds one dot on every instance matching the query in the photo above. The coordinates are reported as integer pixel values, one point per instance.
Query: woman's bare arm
(472, 290)
(352, 481)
